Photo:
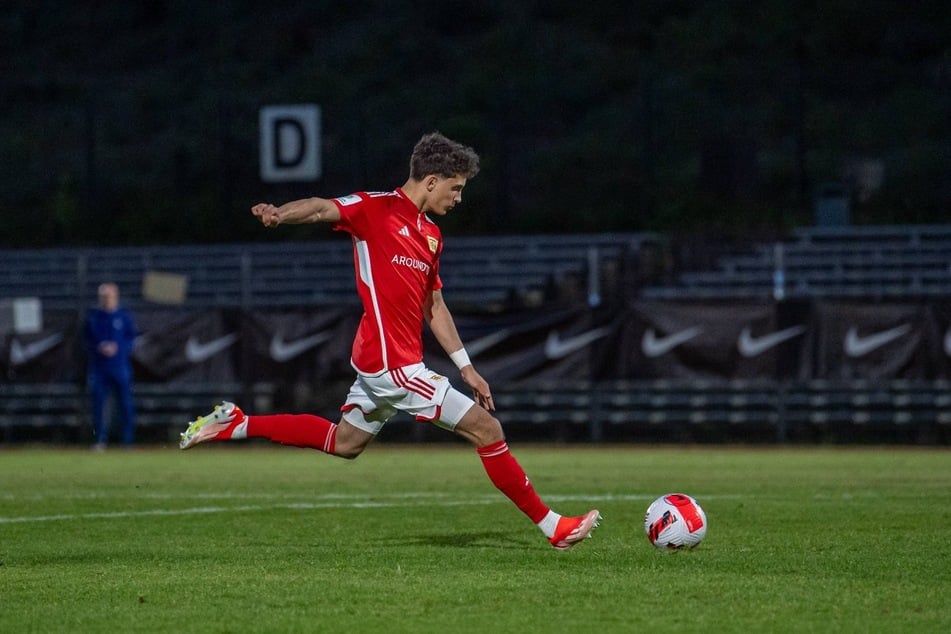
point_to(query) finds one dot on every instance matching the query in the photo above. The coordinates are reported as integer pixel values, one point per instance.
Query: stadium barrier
(909, 412)
(43, 412)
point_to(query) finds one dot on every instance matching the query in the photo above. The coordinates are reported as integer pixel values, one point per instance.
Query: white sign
(21, 316)
(290, 143)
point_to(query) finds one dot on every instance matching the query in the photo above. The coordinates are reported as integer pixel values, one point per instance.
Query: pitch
(416, 539)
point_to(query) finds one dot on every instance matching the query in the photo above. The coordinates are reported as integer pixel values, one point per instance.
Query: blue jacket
(103, 326)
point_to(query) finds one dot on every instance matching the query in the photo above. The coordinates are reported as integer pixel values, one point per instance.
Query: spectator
(109, 334)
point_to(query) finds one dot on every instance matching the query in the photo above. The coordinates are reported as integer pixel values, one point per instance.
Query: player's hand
(267, 214)
(480, 387)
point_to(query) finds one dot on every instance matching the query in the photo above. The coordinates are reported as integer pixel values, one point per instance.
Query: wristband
(461, 358)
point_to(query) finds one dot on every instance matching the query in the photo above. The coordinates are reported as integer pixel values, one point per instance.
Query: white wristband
(461, 358)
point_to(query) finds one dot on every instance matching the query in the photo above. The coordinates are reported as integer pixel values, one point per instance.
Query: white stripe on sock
(549, 523)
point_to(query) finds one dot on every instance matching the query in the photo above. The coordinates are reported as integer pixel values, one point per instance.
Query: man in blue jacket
(109, 335)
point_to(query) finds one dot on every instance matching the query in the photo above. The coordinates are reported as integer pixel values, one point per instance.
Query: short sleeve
(353, 216)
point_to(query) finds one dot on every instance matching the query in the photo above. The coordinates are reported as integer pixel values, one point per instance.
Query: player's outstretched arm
(303, 211)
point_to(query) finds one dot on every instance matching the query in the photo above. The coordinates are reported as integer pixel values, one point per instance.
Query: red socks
(315, 432)
(298, 430)
(509, 478)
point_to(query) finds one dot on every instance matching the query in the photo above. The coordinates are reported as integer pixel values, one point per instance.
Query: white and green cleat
(226, 416)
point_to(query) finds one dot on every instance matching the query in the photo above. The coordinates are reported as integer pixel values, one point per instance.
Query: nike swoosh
(856, 346)
(474, 348)
(196, 352)
(282, 351)
(20, 354)
(654, 346)
(556, 347)
(751, 346)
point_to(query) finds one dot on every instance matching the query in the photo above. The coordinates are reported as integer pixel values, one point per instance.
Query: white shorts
(413, 388)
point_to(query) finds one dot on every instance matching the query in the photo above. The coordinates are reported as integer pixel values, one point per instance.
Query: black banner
(295, 345)
(872, 341)
(705, 340)
(563, 344)
(55, 354)
(202, 346)
(817, 339)
(941, 313)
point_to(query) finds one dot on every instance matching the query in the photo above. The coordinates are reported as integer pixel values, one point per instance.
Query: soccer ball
(675, 521)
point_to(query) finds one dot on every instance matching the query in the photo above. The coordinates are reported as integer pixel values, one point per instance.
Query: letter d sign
(290, 143)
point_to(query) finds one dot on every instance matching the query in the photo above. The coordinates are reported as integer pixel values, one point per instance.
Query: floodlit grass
(260, 539)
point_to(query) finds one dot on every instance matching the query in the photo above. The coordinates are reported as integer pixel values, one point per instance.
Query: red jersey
(396, 252)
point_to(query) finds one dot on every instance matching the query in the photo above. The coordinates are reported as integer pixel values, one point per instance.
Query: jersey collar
(420, 216)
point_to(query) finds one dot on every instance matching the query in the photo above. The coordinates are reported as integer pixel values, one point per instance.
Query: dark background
(136, 122)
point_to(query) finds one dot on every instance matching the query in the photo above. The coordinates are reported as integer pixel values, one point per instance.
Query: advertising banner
(643, 340)
(726, 340)
(849, 341)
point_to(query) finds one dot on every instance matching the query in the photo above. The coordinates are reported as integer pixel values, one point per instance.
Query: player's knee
(492, 432)
(480, 427)
(350, 442)
(348, 453)
(348, 448)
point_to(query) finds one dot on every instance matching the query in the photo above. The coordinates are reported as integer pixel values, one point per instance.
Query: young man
(396, 256)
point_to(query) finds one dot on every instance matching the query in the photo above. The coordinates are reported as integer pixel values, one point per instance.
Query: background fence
(837, 334)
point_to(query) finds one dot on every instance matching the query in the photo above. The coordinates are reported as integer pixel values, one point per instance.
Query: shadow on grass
(482, 539)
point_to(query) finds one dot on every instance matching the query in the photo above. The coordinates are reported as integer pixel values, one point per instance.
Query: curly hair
(435, 154)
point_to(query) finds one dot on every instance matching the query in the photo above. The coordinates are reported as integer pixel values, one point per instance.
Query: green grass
(260, 539)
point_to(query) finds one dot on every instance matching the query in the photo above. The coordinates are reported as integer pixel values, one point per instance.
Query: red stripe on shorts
(417, 386)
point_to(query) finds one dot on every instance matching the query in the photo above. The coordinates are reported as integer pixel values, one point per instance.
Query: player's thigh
(480, 427)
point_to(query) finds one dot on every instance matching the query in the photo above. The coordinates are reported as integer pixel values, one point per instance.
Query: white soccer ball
(675, 521)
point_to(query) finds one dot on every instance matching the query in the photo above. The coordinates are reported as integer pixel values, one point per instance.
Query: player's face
(446, 194)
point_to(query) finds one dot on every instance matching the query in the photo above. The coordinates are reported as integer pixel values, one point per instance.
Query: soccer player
(396, 249)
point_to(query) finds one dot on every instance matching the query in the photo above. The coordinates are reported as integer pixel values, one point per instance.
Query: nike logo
(856, 346)
(751, 346)
(20, 353)
(654, 346)
(282, 351)
(556, 347)
(196, 352)
(474, 348)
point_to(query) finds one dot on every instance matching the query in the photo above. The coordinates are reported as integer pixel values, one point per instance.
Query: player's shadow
(482, 539)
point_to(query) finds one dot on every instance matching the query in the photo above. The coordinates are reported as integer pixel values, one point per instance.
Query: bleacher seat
(694, 410)
(874, 261)
(27, 407)
(480, 269)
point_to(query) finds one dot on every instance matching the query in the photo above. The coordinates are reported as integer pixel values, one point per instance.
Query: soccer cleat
(571, 530)
(209, 426)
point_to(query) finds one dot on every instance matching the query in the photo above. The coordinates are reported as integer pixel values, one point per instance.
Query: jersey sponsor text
(413, 263)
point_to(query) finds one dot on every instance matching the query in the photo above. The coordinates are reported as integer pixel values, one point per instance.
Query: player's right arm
(296, 212)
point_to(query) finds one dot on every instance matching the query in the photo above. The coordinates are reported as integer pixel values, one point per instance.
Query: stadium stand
(59, 411)
(476, 270)
(639, 411)
(741, 410)
(910, 261)
(871, 261)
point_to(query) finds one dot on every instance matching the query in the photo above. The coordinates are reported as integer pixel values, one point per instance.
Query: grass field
(415, 539)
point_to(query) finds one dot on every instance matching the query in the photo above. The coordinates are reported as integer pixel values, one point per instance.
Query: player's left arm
(444, 329)
(295, 212)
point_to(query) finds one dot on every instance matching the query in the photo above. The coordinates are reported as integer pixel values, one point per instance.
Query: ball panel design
(675, 521)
